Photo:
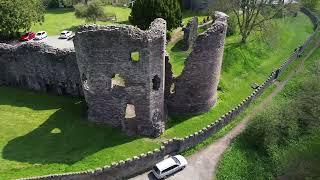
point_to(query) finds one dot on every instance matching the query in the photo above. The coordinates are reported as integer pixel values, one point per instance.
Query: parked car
(65, 34)
(41, 35)
(169, 166)
(28, 36)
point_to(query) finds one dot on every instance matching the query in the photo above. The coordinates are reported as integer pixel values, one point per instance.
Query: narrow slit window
(135, 56)
(117, 80)
(130, 111)
(156, 82)
(172, 88)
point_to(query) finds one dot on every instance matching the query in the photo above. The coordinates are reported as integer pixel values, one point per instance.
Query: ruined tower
(195, 90)
(122, 72)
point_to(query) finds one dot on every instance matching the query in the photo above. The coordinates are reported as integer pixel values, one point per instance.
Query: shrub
(275, 127)
(80, 10)
(53, 4)
(169, 36)
(91, 12)
(308, 105)
(232, 26)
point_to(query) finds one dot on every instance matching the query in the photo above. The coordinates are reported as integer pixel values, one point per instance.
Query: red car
(28, 36)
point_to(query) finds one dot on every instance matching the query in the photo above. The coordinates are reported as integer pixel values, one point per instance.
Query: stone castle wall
(190, 33)
(195, 90)
(41, 68)
(104, 51)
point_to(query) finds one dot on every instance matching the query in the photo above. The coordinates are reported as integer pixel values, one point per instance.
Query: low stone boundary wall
(143, 162)
(41, 68)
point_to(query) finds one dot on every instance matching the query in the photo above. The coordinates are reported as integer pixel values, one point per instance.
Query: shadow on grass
(66, 137)
(178, 47)
(59, 10)
(175, 120)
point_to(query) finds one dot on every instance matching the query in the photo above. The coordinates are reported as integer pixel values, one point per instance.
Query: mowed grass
(43, 134)
(299, 159)
(242, 66)
(57, 20)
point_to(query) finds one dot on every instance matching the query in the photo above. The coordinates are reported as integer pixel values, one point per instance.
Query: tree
(17, 15)
(91, 12)
(145, 11)
(251, 14)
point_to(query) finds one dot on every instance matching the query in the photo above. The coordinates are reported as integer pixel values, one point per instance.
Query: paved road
(53, 41)
(203, 164)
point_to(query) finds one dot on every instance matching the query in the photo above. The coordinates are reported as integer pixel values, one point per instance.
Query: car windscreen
(39, 34)
(156, 169)
(176, 160)
(169, 168)
(63, 33)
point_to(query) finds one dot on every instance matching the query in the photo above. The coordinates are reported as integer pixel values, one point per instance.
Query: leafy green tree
(251, 14)
(145, 11)
(91, 12)
(17, 15)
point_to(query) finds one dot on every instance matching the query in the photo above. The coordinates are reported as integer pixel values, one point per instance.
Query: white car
(169, 166)
(65, 34)
(41, 35)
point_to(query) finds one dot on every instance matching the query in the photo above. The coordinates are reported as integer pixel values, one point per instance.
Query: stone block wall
(105, 51)
(190, 33)
(41, 68)
(196, 88)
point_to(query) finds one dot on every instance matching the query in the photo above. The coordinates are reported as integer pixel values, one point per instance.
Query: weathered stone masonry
(105, 51)
(190, 33)
(195, 90)
(40, 68)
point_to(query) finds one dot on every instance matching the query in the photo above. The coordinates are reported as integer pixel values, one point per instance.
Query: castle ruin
(195, 90)
(123, 73)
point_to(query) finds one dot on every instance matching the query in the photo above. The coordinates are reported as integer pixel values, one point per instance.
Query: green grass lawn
(42, 134)
(57, 20)
(297, 160)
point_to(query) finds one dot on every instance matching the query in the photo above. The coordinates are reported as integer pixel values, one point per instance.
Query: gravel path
(203, 164)
(53, 41)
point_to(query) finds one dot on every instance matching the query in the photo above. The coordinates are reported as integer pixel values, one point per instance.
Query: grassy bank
(296, 157)
(57, 20)
(43, 134)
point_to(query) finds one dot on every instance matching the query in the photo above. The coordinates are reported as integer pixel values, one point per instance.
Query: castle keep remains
(120, 90)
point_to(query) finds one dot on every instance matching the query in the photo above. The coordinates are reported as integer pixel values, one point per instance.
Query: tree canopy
(252, 14)
(19, 15)
(91, 12)
(145, 11)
